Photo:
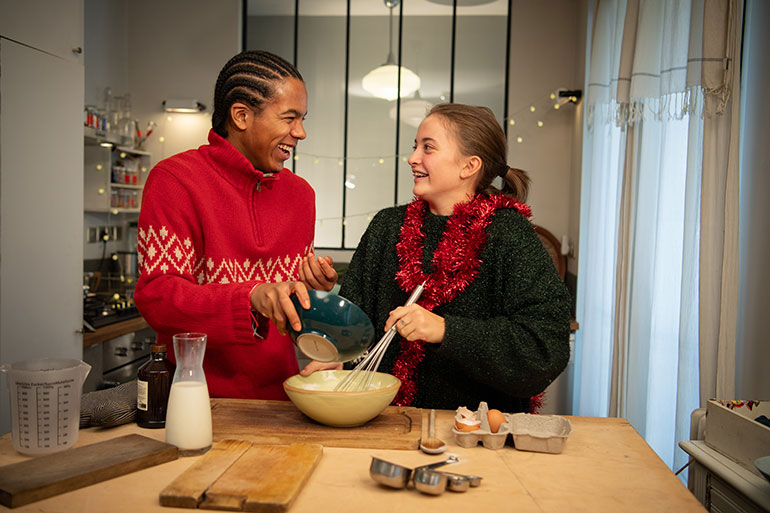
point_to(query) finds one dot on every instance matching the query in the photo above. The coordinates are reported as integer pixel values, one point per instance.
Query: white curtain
(653, 86)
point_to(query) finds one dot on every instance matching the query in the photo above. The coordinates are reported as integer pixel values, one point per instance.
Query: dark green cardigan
(507, 334)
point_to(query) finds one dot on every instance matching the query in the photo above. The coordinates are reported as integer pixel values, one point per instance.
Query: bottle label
(141, 395)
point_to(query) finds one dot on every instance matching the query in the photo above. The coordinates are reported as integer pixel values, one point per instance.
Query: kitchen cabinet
(41, 183)
(113, 176)
(55, 28)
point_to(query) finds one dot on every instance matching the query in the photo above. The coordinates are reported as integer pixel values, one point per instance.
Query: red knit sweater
(211, 227)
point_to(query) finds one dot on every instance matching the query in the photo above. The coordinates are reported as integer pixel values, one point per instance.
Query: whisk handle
(416, 293)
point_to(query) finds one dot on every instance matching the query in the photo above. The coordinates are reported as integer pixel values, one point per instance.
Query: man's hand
(273, 300)
(317, 273)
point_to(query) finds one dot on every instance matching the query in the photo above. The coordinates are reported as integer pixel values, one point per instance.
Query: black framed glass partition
(362, 120)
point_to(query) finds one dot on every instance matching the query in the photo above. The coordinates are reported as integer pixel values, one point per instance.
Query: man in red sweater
(226, 233)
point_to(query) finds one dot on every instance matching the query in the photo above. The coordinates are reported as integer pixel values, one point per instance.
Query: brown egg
(496, 419)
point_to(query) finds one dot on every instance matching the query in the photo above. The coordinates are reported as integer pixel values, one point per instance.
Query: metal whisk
(360, 378)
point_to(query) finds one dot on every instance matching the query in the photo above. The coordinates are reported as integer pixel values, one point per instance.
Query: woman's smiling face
(441, 172)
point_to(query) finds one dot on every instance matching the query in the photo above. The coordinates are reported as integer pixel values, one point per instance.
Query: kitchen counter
(605, 467)
(114, 330)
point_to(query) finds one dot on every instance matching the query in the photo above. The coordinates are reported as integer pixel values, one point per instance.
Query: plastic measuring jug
(45, 403)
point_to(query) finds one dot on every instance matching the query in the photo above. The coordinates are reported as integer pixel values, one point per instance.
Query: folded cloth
(109, 407)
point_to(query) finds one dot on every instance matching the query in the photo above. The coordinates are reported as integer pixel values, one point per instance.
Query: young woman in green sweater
(493, 322)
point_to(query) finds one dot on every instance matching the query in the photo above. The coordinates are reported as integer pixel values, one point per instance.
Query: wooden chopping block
(238, 476)
(187, 490)
(280, 422)
(46, 476)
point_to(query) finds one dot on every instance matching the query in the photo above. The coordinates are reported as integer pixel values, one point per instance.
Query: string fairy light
(530, 116)
(520, 118)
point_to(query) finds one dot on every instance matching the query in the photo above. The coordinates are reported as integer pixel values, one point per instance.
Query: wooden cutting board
(236, 475)
(49, 475)
(280, 422)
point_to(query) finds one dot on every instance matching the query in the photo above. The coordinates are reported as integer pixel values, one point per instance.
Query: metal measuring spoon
(398, 476)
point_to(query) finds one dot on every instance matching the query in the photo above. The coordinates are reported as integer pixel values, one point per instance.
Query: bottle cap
(158, 348)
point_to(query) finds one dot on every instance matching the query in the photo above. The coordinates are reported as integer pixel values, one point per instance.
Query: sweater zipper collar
(264, 176)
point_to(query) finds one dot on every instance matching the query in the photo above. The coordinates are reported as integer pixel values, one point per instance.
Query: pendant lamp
(382, 81)
(412, 111)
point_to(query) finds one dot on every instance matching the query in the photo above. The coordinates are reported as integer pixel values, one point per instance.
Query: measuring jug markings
(43, 401)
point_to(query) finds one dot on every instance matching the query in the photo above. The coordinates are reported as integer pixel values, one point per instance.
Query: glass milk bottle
(188, 417)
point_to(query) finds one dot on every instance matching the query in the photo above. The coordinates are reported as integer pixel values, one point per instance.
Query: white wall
(106, 49)
(176, 50)
(547, 52)
(158, 50)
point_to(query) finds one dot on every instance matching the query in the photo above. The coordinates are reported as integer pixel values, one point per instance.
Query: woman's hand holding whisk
(414, 322)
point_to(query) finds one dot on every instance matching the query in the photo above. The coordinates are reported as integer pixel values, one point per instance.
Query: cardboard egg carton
(538, 433)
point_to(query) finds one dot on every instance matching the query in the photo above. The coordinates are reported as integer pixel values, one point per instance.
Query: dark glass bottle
(153, 387)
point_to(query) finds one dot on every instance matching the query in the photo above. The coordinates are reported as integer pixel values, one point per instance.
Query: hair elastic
(504, 172)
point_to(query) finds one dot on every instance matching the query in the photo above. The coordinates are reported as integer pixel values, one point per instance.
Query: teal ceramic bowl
(333, 329)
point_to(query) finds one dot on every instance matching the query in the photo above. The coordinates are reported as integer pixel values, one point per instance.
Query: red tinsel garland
(455, 264)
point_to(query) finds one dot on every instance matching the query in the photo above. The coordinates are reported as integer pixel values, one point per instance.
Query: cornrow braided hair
(248, 78)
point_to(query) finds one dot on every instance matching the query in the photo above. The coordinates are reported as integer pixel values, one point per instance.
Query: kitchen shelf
(99, 136)
(105, 169)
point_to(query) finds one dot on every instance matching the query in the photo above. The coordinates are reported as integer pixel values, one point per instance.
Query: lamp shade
(412, 111)
(382, 82)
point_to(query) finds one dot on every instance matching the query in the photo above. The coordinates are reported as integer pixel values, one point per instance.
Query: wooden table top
(605, 467)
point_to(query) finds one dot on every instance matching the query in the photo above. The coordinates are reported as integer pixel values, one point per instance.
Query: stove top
(99, 312)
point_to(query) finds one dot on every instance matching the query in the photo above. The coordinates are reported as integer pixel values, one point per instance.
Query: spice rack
(114, 176)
